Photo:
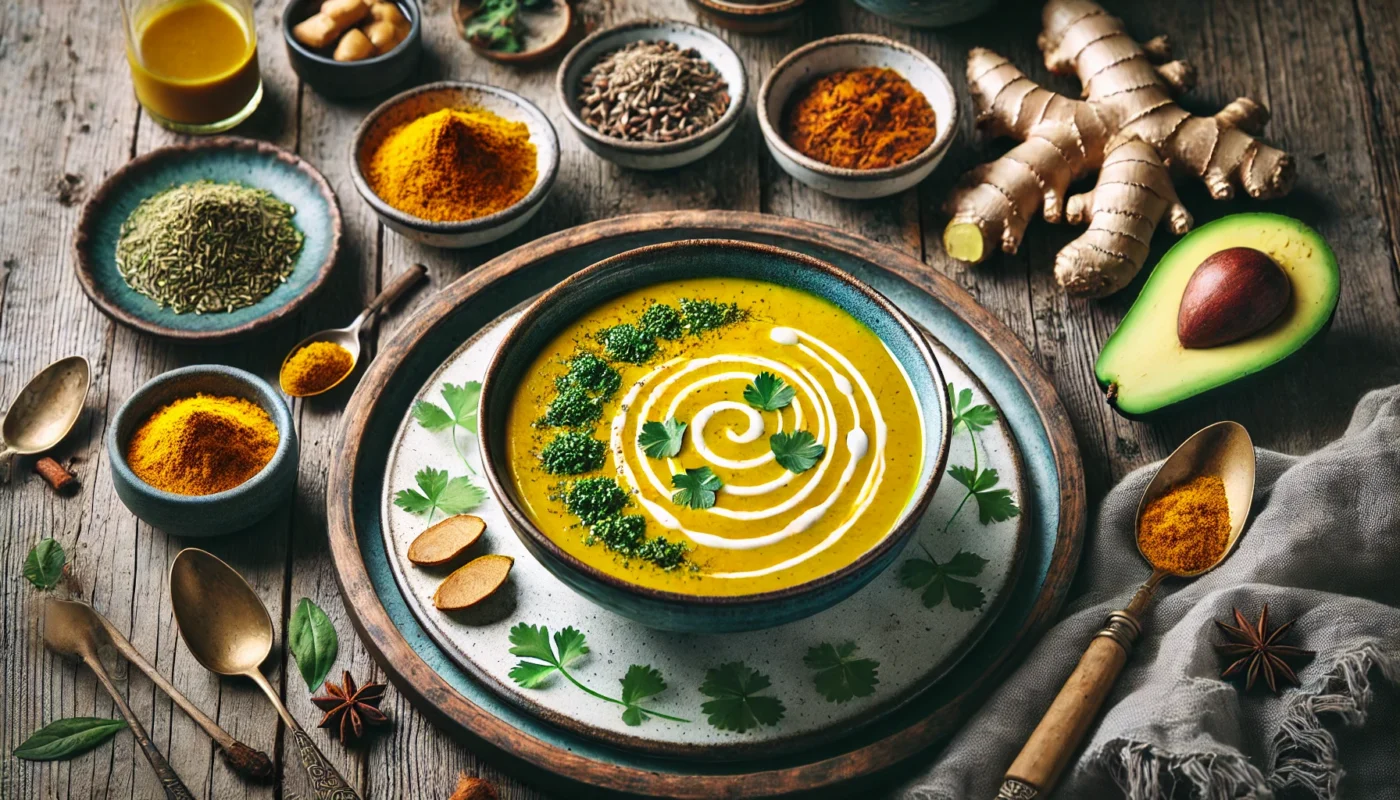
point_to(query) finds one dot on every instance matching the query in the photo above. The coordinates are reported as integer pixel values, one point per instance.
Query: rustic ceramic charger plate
(1052, 501)
(224, 160)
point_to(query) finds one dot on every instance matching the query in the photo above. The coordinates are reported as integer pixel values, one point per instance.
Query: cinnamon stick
(55, 474)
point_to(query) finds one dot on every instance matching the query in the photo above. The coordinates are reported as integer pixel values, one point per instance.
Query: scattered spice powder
(1187, 529)
(453, 165)
(315, 368)
(202, 445)
(867, 118)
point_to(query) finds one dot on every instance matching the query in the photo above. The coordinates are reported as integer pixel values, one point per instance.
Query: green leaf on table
(768, 392)
(439, 492)
(972, 417)
(938, 580)
(313, 642)
(464, 402)
(696, 488)
(840, 675)
(993, 505)
(44, 564)
(66, 738)
(797, 451)
(737, 706)
(662, 439)
(638, 684)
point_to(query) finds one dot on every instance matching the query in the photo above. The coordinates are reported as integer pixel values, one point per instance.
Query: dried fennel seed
(207, 246)
(652, 92)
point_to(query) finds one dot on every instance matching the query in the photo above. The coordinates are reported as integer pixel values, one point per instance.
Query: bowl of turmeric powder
(454, 163)
(203, 451)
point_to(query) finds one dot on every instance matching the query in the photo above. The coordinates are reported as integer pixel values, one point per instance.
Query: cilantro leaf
(460, 496)
(768, 392)
(449, 495)
(662, 439)
(44, 564)
(696, 488)
(938, 579)
(529, 674)
(532, 641)
(464, 401)
(993, 505)
(571, 646)
(431, 416)
(797, 451)
(974, 418)
(737, 706)
(638, 684)
(840, 676)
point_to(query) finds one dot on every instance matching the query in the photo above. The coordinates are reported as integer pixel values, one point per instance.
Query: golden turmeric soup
(194, 61)
(790, 380)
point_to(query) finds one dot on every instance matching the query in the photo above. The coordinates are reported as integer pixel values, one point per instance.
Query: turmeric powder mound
(867, 118)
(451, 165)
(1188, 528)
(315, 368)
(202, 445)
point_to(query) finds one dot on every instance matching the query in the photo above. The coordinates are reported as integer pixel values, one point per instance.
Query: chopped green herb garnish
(593, 500)
(626, 535)
(662, 321)
(706, 315)
(797, 451)
(662, 439)
(696, 488)
(737, 706)
(627, 342)
(573, 453)
(591, 373)
(663, 552)
(573, 407)
(768, 392)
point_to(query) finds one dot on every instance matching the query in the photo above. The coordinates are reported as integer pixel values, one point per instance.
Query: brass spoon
(1223, 449)
(349, 336)
(68, 629)
(45, 410)
(228, 630)
(241, 757)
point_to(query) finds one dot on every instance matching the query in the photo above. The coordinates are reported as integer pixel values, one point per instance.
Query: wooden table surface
(1330, 73)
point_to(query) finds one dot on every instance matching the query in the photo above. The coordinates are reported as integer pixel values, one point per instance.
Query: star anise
(1260, 652)
(351, 707)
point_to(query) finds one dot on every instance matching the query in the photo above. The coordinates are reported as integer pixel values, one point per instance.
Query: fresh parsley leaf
(993, 505)
(797, 451)
(696, 488)
(464, 401)
(737, 706)
(439, 492)
(431, 416)
(638, 684)
(974, 418)
(662, 439)
(532, 641)
(768, 392)
(312, 639)
(939, 579)
(65, 738)
(44, 564)
(529, 674)
(840, 676)
(460, 496)
(571, 646)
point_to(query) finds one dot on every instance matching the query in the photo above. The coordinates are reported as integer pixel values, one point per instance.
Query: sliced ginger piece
(445, 542)
(473, 582)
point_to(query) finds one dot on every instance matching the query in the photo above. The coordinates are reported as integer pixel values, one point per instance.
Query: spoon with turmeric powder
(322, 360)
(1190, 516)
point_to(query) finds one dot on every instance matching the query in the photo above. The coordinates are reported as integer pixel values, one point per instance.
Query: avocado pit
(1233, 294)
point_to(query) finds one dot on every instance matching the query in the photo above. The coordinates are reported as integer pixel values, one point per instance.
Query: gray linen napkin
(1324, 547)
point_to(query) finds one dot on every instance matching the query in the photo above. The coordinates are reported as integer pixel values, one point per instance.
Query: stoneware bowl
(210, 514)
(653, 155)
(750, 16)
(850, 51)
(414, 103)
(565, 303)
(347, 80)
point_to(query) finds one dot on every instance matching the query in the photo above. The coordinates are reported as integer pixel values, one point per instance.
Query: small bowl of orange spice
(858, 116)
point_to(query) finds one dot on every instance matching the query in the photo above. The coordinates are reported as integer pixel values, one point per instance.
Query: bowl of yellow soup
(713, 435)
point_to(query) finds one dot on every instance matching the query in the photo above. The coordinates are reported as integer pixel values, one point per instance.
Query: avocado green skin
(1248, 357)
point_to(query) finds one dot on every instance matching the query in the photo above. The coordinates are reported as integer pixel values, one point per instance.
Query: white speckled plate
(913, 644)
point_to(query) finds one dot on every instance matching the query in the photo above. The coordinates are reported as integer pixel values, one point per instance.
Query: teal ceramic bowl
(586, 289)
(223, 160)
(209, 514)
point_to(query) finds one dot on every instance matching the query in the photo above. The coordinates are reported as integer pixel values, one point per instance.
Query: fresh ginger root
(1127, 127)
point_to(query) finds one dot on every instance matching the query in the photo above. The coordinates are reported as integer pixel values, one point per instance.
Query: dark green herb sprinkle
(663, 552)
(626, 535)
(573, 453)
(662, 322)
(207, 246)
(572, 407)
(706, 315)
(591, 373)
(627, 343)
(593, 500)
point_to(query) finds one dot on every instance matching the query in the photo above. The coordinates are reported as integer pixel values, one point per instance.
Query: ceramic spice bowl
(210, 514)
(653, 155)
(346, 80)
(852, 51)
(423, 100)
(752, 17)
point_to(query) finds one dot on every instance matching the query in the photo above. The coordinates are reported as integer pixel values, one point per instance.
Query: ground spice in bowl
(453, 165)
(315, 368)
(867, 118)
(202, 445)
(1187, 529)
(652, 92)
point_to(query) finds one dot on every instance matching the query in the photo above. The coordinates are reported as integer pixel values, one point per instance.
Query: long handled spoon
(228, 630)
(68, 630)
(45, 409)
(349, 336)
(1224, 450)
(241, 757)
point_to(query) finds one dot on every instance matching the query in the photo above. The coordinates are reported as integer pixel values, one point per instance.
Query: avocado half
(1144, 367)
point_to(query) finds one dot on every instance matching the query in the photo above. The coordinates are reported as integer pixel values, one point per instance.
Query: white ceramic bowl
(653, 155)
(431, 97)
(850, 51)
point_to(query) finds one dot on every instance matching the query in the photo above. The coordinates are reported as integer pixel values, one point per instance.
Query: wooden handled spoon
(1224, 450)
(68, 629)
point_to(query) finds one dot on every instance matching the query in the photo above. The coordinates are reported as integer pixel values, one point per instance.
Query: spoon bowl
(47, 407)
(224, 624)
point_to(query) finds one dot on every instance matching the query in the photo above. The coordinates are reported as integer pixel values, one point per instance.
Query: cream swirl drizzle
(860, 450)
